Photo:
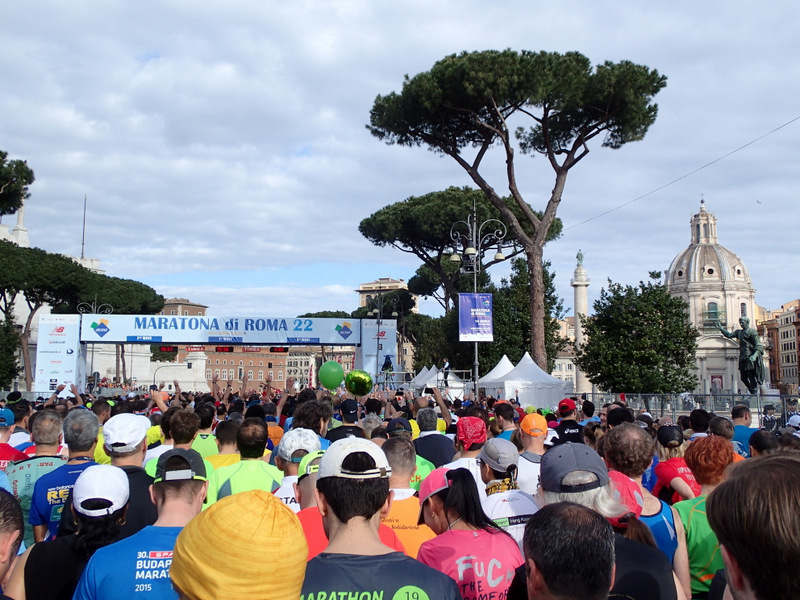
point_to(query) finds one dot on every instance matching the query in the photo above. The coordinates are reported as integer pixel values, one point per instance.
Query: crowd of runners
(260, 493)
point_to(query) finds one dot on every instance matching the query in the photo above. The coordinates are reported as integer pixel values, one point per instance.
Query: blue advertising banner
(247, 330)
(475, 318)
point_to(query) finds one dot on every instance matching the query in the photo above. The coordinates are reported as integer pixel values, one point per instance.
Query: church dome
(705, 262)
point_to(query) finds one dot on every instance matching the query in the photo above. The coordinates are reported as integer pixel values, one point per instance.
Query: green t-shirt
(705, 558)
(244, 476)
(205, 444)
(150, 467)
(424, 468)
(22, 476)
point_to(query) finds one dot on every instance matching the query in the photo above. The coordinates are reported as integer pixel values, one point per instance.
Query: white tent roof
(536, 387)
(420, 377)
(503, 367)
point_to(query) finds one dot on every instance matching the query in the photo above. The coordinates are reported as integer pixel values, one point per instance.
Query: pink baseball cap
(435, 482)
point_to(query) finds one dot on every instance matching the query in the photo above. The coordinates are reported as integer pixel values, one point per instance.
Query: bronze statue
(751, 351)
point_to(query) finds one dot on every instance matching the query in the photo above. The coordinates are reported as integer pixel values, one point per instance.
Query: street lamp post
(375, 304)
(475, 239)
(186, 364)
(86, 308)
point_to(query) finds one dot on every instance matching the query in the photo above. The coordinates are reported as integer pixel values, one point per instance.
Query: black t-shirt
(643, 573)
(435, 447)
(387, 576)
(344, 431)
(141, 510)
(53, 569)
(569, 430)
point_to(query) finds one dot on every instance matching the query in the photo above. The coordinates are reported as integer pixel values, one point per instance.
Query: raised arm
(437, 395)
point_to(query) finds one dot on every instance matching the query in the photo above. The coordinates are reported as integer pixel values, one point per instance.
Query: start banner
(247, 330)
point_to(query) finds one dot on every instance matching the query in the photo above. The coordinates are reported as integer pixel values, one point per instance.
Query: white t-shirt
(528, 475)
(511, 511)
(285, 493)
(156, 452)
(471, 464)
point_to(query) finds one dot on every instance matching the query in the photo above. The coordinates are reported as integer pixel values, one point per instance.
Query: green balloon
(331, 375)
(358, 383)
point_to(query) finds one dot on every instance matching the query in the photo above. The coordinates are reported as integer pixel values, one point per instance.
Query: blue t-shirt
(135, 567)
(741, 439)
(50, 494)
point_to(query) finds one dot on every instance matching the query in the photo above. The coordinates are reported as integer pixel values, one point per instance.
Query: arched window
(743, 309)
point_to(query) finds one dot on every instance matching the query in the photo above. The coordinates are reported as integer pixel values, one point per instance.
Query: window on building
(251, 363)
(269, 366)
(280, 375)
(208, 373)
(250, 374)
(224, 373)
(172, 312)
(241, 372)
(743, 309)
(186, 313)
(270, 374)
(261, 374)
(216, 372)
(217, 361)
(241, 362)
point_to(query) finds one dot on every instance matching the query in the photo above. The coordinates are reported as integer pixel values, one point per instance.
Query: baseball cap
(533, 422)
(298, 439)
(306, 468)
(499, 454)
(561, 460)
(124, 432)
(349, 408)
(335, 455)
(567, 405)
(100, 482)
(471, 430)
(794, 421)
(6, 417)
(194, 467)
(627, 493)
(669, 436)
(398, 424)
(435, 482)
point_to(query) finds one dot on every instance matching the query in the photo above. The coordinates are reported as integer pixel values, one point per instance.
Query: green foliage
(462, 107)
(395, 301)
(15, 177)
(640, 341)
(156, 355)
(326, 314)
(420, 225)
(9, 349)
(511, 304)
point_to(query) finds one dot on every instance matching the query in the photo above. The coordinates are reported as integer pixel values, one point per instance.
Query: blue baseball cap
(6, 417)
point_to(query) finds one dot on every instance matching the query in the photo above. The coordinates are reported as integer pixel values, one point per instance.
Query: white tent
(419, 378)
(500, 369)
(536, 388)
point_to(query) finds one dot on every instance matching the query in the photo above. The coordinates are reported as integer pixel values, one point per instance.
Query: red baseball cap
(567, 405)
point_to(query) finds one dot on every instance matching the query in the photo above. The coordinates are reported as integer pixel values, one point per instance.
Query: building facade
(716, 284)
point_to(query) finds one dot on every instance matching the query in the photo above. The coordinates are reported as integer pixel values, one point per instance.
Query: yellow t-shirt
(223, 460)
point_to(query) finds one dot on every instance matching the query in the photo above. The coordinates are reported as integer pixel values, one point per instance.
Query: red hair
(708, 457)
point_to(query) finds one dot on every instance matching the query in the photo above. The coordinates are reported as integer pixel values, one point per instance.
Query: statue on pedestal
(751, 352)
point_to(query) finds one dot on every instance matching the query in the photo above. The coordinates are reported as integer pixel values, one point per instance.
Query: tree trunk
(116, 372)
(24, 338)
(536, 277)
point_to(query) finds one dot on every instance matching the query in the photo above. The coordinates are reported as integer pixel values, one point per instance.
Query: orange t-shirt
(402, 518)
(311, 520)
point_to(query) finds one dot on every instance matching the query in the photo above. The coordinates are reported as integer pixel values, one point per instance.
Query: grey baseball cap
(560, 461)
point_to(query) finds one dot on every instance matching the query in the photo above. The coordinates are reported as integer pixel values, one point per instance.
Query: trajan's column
(580, 283)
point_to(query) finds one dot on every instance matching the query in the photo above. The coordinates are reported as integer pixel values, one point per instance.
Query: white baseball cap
(331, 463)
(298, 439)
(101, 482)
(124, 432)
(794, 421)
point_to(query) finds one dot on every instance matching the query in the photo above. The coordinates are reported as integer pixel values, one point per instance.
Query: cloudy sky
(223, 150)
